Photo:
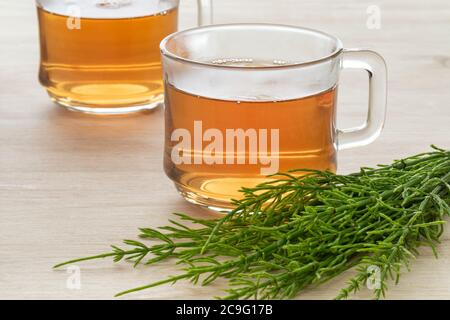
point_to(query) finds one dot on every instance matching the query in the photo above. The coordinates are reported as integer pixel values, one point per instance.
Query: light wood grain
(72, 184)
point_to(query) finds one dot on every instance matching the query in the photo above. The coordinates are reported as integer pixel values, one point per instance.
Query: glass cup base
(202, 200)
(108, 110)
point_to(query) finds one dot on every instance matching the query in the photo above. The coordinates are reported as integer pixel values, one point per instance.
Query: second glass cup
(102, 56)
(244, 101)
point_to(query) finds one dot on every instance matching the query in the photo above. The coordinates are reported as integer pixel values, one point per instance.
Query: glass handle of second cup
(375, 66)
(205, 12)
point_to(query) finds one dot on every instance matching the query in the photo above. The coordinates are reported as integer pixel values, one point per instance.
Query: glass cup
(243, 101)
(102, 56)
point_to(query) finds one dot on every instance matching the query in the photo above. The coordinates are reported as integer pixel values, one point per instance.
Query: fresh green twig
(305, 227)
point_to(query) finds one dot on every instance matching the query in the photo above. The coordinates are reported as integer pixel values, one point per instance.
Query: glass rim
(168, 54)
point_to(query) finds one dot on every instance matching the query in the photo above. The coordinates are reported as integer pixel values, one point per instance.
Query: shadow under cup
(244, 101)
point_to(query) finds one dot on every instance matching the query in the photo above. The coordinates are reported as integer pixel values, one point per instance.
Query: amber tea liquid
(108, 61)
(306, 140)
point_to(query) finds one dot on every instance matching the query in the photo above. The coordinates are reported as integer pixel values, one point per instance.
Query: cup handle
(376, 69)
(205, 12)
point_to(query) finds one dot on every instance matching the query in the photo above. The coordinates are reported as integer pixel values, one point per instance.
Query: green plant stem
(306, 227)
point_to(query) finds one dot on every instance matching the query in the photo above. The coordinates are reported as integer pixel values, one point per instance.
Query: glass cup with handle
(102, 56)
(244, 101)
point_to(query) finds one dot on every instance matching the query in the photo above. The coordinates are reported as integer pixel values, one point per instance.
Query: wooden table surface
(72, 184)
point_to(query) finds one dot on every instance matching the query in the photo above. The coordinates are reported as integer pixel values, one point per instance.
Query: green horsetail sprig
(299, 231)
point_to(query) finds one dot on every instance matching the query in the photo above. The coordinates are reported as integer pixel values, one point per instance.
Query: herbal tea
(108, 57)
(215, 147)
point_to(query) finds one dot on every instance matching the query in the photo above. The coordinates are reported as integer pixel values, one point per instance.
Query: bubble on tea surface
(112, 4)
(280, 62)
(249, 62)
(233, 61)
(256, 98)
